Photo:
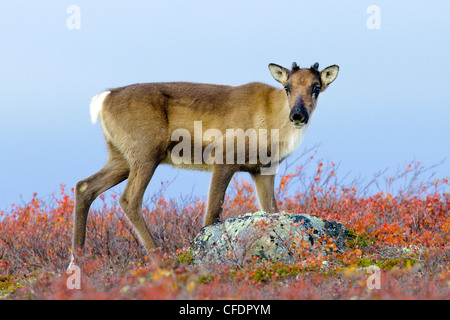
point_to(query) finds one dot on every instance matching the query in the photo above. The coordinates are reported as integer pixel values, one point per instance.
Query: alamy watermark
(73, 21)
(227, 147)
(374, 20)
(374, 281)
(74, 279)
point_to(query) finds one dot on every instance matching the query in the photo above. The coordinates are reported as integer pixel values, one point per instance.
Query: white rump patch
(97, 104)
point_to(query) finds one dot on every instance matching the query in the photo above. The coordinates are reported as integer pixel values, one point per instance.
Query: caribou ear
(328, 75)
(279, 73)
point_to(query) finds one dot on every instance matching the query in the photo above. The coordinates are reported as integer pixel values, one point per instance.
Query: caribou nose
(299, 117)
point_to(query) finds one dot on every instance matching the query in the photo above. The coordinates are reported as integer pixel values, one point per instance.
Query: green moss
(206, 278)
(185, 257)
(397, 262)
(359, 240)
(409, 262)
(275, 270)
(386, 264)
(263, 274)
(8, 286)
(364, 262)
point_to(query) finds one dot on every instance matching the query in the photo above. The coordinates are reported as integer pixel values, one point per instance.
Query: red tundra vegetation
(404, 231)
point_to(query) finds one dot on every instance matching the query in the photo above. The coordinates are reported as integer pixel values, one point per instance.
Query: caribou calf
(139, 121)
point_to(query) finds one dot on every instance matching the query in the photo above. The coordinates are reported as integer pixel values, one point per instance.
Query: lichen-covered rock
(281, 237)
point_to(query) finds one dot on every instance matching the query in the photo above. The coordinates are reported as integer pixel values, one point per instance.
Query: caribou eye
(287, 89)
(316, 90)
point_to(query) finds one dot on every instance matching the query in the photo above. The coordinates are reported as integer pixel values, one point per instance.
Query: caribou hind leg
(115, 171)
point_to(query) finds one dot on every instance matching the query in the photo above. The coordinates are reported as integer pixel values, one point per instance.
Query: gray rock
(284, 237)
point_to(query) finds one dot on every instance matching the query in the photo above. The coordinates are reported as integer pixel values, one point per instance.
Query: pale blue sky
(389, 105)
